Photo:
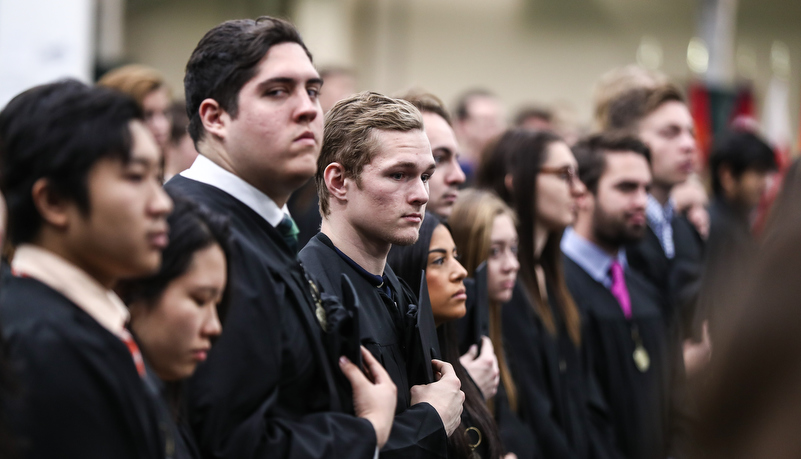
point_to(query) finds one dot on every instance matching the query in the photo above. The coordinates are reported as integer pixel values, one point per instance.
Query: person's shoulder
(28, 305)
(321, 261)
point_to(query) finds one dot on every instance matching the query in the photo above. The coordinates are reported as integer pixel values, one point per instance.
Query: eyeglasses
(566, 173)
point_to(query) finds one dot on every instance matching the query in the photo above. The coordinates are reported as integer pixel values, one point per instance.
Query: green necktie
(289, 231)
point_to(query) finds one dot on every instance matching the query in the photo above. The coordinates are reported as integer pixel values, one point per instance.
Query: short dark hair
(192, 228)
(739, 151)
(533, 111)
(590, 153)
(461, 109)
(226, 58)
(427, 103)
(503, 155)
(58, 131)
(626, 111)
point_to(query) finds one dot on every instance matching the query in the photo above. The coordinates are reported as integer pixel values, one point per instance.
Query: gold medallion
(641, 359)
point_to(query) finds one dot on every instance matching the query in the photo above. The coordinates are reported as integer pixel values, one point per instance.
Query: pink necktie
(619, 289)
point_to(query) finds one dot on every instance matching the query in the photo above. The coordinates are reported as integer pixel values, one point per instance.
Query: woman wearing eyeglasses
(535, 171)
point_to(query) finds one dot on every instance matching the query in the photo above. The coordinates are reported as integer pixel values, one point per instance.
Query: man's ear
(215, 120)
(53, 208)
(727, 180)
(335, 181)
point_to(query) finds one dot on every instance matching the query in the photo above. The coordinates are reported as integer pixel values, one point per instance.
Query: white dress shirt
(207, 171)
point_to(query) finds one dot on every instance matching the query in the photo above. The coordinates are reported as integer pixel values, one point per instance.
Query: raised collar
(658, 214)
(590, 257)
(207, 171)
(100, 303)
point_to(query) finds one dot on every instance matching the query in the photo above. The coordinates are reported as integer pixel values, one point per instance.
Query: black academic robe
(267, 389)
(80, 394)
(417, 431)
(730, 249)
(178, 442)
(554, 389)
(673, 278)
(644, 406)
(517, 436)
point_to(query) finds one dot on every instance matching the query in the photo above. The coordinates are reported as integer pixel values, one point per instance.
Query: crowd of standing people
(269, 269)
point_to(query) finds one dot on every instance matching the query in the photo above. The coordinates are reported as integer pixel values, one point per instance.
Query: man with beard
(372, 180)
(624, 334)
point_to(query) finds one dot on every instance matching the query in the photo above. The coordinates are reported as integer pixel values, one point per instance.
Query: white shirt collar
(207, 171)
(100, 303)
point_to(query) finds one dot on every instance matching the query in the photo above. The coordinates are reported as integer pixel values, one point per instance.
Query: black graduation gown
(554, 389)
(671, 277)
(417, 431)
(643, 406)
(178, 442)
(731, 248)
(267, 388)
(81, 396)
(517, 437)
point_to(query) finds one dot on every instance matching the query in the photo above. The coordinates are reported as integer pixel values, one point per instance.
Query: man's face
(126, 226)
(444, 184)
(670, 134)
(619, 203)
(274, 141)
(750, 187)
(388, 203)
(484, 123)
(156, 106)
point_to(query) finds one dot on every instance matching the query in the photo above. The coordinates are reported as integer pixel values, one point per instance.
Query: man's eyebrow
(288, 81)
(405, 164)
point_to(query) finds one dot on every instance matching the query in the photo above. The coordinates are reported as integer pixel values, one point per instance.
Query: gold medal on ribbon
(641, 358)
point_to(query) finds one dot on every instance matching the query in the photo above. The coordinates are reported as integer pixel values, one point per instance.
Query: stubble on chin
(404, 239)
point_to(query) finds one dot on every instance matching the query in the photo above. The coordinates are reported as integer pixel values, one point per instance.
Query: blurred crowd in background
(623, 290)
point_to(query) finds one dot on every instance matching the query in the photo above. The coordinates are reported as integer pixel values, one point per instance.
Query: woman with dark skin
(435, 252)
(175, 313)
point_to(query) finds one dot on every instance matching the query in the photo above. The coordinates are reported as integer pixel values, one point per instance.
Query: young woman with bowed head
(557, 398)
(435, 252)
(484, 229)
(175, 313)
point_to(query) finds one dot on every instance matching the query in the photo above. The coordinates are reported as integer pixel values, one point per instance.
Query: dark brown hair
(427, 103)
(627, 110)
(590, 153)
(226, 58)
(530, 152)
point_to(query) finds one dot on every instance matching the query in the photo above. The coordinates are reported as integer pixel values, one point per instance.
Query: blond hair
(471, 224)
(618, 81)
(350, 134)
(135, 80)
